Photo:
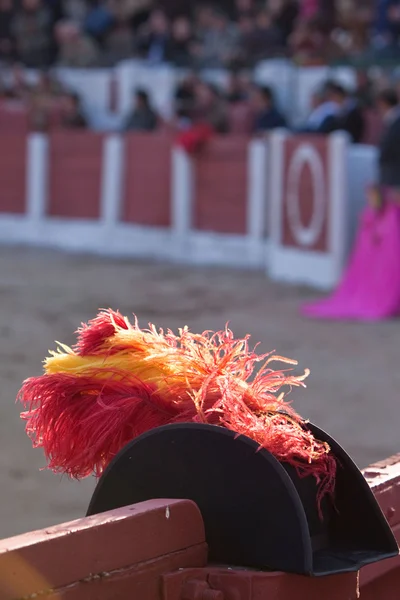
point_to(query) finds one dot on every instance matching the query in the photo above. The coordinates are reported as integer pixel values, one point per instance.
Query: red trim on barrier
(221, 186)
(306, 193)
(13, 169)
(75, 174)
(147, 189)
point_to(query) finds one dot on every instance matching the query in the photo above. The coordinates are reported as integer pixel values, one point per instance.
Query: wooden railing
(157, 551)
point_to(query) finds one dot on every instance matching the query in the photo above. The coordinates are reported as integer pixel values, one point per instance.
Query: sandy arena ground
(353, 389)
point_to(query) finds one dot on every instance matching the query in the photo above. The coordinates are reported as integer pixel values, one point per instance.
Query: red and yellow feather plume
(119, 381)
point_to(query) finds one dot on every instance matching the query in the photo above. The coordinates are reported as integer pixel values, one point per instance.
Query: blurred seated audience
(31, 29)
(216, 43)
(259, 38)
(75, 48)
(153, 38)
(266, 114)
(118, 44)
(98, 20)
(185, 100)
(7, 42)
(284, 14)
(350, 116)
(180, 43)
(387, 103)
(42, 103)
(210, 108)
(324, 117)
(143, 116)
(71, 112)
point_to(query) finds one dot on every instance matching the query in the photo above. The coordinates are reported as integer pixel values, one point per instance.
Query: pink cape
(370, 288)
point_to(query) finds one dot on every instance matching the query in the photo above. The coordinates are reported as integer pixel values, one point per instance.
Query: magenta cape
(370, 288)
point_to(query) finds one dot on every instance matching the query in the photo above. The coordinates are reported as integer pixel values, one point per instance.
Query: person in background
(143, 116)
(119, 42)
(185, 99)
(72, 116)
(216, 45)
(31, 29)
(180, 44)
(42, 102)
(389, 148)
(284, 14)
(7, 43)
(264, 39)
(210, 108)
(236, 90)
(266, 114)
(350, 116)
(323, 118)
(153, 38)
(98, 20)
(75, 49)
(75, 10)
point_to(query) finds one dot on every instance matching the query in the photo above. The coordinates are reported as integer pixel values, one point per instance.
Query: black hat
(257, 511)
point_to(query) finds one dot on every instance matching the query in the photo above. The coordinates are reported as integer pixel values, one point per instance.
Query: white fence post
(182, 182)
(37, 177)
(112, 181)
(257, 199)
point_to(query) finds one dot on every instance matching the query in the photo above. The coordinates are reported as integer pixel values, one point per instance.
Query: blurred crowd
(195, 34)
(240, 107)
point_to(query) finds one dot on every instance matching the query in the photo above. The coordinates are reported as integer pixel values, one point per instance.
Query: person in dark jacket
(323, 118)
(389, 149)
(267, 116)
(350, 116)
(143, 116)
(72, 116)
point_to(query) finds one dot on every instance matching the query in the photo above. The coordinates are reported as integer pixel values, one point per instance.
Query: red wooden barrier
(306, 193)
(157, 551)
(13, 117)
(147, 190)
(75, 174)
(13, 169)
(117, 555)
(221, 186)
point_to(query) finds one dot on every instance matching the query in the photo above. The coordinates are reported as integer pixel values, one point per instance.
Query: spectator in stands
(387, 27)
(75, 48)
(389, 149)
(72, 116)
(210, 108)
(143, 116)
(350, 117)
(119, 41)
(324, 115)
(153, 38)
(7, 44)
(42, 103)
(98, 21)
(284, 14)
(179, 46)
(185, 101)
(237, 88)
(244, 8)
(217, 44)
(266, 114)
(31, 28)
(308, 44)
(263, 40)
(18, 87)
(74, 10)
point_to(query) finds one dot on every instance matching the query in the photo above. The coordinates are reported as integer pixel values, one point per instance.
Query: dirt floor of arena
(353, 391)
